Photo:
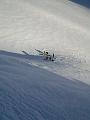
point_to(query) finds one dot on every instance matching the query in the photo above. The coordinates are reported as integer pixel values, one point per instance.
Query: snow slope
(30, 93)
(56, 25)
(59, 26)
(34, 89)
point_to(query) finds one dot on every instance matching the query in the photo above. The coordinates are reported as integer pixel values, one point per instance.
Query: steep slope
(34, 89)
(59, 26)
(30, 93)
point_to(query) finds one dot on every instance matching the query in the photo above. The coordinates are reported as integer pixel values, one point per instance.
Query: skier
(52, 58)
(53, 55)
(46, 55)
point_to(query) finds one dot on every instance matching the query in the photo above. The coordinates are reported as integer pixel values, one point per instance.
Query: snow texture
(30, 87)
(30, 93)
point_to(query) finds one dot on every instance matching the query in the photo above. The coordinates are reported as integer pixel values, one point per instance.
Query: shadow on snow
(33, 93)
(24, 55)
(85, 3)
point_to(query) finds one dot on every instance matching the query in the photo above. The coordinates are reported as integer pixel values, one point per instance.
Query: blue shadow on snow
(39, 94)
(85, 3)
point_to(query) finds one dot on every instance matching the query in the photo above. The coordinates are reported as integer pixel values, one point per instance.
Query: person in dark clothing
(53, 55)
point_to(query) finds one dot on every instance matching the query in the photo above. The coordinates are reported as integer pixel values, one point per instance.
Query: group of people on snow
(48, 57)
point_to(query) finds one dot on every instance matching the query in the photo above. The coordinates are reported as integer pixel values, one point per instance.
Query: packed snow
(30, 93)
(32, 88)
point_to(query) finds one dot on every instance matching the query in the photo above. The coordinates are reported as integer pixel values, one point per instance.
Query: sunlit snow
(30, 87)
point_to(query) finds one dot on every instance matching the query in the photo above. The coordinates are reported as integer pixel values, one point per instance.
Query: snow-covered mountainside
(30, 93)
(30, 87)
(56, 25)
(59, 26)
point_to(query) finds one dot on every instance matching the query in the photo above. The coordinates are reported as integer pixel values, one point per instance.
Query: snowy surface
(59, 26)
(30, 93)
(30, 87)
